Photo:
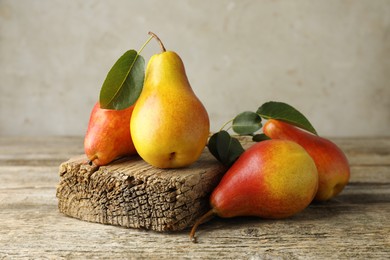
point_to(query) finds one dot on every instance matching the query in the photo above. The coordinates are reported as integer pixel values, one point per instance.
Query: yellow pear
(169, 124)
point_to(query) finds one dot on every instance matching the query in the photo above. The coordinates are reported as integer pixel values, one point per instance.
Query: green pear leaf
(260, 137)
(285, 112)
(225, 148)
(124, 82)
(246, 123)
(212, 146)
(235, 150)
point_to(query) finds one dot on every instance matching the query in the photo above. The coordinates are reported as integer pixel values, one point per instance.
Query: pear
(332, 164)
(169, 125)
(108, 135)
(272, 179)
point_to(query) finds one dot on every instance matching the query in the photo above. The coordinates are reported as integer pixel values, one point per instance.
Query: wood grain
(131, 193)
(354, 225)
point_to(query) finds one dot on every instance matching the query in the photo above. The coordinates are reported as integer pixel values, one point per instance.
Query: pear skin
(169, 125)
(108, 135)
(272, 179)
(332, 164)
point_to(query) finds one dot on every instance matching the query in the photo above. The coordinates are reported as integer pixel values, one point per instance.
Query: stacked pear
(332, 164)
(108, 135)
(169, 125)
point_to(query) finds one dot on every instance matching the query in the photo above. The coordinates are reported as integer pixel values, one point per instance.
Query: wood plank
(346, 228)
(365, 151)
(370, 174)
(360, 151)
(54, 150)
(354, 225)
(39, 151)
(14, 177)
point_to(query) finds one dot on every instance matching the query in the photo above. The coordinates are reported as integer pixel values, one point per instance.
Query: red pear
(108, 136)
(332, 164)
(271, 179)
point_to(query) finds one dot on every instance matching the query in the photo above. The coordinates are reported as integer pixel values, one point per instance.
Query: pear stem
(209, 214)
(90, 161)
(143, 46)
(158, 40)
(224, 125)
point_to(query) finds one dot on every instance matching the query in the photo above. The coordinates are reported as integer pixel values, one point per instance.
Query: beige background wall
(330, 59)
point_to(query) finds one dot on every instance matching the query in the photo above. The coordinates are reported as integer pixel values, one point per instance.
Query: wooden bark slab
(131, 193)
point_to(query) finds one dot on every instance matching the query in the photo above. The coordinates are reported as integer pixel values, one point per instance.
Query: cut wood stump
(131, 193)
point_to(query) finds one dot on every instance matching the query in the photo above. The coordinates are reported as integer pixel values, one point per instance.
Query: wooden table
(356, 224)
